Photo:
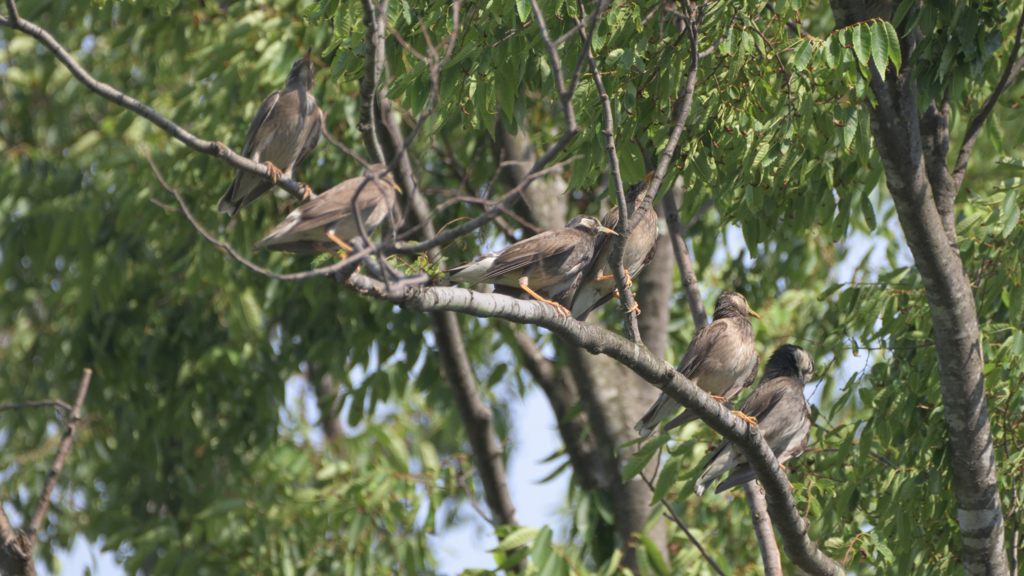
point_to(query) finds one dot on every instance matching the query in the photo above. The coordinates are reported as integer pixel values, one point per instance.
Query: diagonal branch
(792, 526)
(63, 449)
(629, 322)
(1013, 67)
(212, 148)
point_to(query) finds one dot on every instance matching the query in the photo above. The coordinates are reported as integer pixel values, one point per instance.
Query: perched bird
(547, 266)
(721, 359)
(285, 130)
(330, 218)
(783, 417)
(598, 283)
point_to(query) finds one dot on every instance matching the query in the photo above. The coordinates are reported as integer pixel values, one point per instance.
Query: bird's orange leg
(523, 284)
(749, 420)
(275, 173)
(339, 241)
(719, 398)
(307, 192)
(629, 279)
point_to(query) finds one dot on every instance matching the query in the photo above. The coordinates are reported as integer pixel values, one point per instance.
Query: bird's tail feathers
(741, 475)
(720, 464)
(662, 408)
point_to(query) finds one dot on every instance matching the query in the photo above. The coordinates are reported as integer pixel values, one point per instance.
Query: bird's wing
(313, 138)
(338, 205)
(530, 251)
(702, 341)
(261, 115)
(587, 298)
(742, 474)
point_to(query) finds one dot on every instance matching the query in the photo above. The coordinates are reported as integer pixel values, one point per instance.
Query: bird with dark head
(547, 266)
(598, 284)
(285, 130)
(721, 360)
(329, 221)
(783, 417)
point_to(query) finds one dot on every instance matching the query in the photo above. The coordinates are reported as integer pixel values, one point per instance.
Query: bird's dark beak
(606, 230)
(754, 314)
(309, 54)
(649, 177)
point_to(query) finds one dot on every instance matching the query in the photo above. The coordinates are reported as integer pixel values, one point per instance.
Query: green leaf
(862, 43)
(541, 549)
(1008, 161)
(654, 556)
(1015, 182)
(517, 538)
(895, 55)
(802, 55)
(666, 479)
(524, 10)
(902, 10)
(643, 456)
(1011, 213)
(868, 210)
(880, 47)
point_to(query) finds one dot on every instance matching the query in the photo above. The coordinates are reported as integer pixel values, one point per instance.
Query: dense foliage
(187, 452)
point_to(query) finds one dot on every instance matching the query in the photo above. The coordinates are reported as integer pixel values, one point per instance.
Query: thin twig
(212, 148)
(43, 503)
(37, 404)
(671, 515)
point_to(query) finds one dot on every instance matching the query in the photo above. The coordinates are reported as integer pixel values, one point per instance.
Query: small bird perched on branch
(285, 130)
(721, 359)
(547, 266)
(329, 220)
(783, 417)
(598, 283)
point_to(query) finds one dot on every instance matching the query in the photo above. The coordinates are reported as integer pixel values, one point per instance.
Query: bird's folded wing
(763, 401)
(313, 137)
(319, 213)
(741, 475)
(261, 116)
(529, 251)
(703, 340)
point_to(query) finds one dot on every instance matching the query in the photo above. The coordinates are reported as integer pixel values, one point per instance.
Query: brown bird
(783, 417)
(598, 284)
(329, 220)
(721, 359)
(547, 266)
(285, 130)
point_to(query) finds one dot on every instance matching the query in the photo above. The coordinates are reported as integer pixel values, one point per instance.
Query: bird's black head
(589, 224)
(790, 361)
(302, 72)
(733, 305)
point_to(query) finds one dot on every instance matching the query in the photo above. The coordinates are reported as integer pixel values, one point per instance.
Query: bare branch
(374, 17)
(629, 323)
(683, 261)
(216, 149)
(671, 515)
(1013, 67)
(43, 503)
(37, 404)
(763, 528)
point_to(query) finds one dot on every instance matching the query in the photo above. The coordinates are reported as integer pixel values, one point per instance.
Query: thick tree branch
(216, 149)
(560, 389)
(763, 528)
(595, 340)
(897, 134)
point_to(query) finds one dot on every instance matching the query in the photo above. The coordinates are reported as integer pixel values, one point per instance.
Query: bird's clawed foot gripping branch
(568, 272)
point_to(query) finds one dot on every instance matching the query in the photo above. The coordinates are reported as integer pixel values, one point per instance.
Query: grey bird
(721, 359)
(329, 220)
(783, 417)
(286, 129)
(547, 266)
(598, 283)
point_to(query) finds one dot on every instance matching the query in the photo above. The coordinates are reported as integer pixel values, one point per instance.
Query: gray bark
(913, 151)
